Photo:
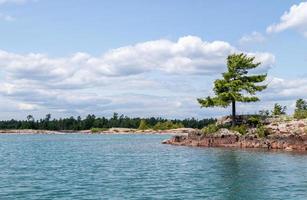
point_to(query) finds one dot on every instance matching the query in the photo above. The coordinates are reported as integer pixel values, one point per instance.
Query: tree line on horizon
(92, 121)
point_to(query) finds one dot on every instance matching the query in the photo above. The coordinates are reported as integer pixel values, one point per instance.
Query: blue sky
(143, 58)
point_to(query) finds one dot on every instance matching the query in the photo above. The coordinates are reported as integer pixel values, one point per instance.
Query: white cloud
(27, 106)
(286, 89)
(158, 78)
(295, 18)
(254, 37)
(284, 92)
(189, 55)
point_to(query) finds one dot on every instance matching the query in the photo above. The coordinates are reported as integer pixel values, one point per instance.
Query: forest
(92, 121)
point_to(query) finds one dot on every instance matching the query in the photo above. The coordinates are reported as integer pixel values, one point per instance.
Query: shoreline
(286, 135)
(287, 143)
(119, 131)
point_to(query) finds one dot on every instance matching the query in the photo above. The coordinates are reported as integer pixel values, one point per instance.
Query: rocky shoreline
(291, 135)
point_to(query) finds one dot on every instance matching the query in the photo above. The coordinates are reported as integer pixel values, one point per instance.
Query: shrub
(211, 128)
(286, 118)
(254, 121)
(143, 125)
(177, 125)
(158, 126)
(300, 114)
(262, 131)
(242, 129)
(97, 130)
(167, 125)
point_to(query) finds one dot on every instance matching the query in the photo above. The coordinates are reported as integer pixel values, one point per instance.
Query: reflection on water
(139, 167)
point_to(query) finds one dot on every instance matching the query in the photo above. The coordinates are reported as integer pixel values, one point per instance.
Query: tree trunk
(233, 113)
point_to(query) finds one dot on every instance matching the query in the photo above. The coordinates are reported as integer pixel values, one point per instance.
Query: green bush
(261, 131)
(286, 118)
(242, 129)
(211, 128)
(300, 114)
(97, 130)
(178, 125)
(254, 121)
(143, 125)
(167, 125)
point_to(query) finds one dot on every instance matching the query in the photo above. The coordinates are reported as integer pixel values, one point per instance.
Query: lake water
(140, 167)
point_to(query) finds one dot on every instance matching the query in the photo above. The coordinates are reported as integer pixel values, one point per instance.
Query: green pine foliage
(236, 85)
(279, 110)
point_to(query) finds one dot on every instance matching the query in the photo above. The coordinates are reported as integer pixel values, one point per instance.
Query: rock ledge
(290, 135)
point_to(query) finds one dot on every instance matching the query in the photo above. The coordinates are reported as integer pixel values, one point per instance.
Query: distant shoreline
(120, 131)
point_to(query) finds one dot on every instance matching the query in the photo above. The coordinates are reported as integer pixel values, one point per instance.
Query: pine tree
(279, 110)
(301, 109)
(236, 85)
(301, 104)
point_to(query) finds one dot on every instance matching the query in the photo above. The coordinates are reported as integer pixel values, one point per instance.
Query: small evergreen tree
(279, 110)
(235, 84)
(301, 109)
(301, 104)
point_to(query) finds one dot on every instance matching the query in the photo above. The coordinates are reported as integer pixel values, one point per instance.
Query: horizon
(140, 59)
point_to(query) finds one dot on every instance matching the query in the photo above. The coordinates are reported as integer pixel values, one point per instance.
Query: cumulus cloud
(254, 37)
(156, 77)
(189, 55)
(295, 18)
(282, 89)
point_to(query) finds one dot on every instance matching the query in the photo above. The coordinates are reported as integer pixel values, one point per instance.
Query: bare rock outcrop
(287, 135)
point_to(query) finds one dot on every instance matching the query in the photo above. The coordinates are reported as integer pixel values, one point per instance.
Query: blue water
(140, 167)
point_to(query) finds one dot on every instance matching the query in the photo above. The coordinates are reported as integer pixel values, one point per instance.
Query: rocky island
(276, 133)
(270, 130)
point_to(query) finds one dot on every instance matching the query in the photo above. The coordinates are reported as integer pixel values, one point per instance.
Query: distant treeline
(91, 121)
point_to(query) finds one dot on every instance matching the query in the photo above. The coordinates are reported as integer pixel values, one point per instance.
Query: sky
(144, 58)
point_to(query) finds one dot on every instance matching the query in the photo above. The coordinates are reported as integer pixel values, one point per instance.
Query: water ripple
(139, 167)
